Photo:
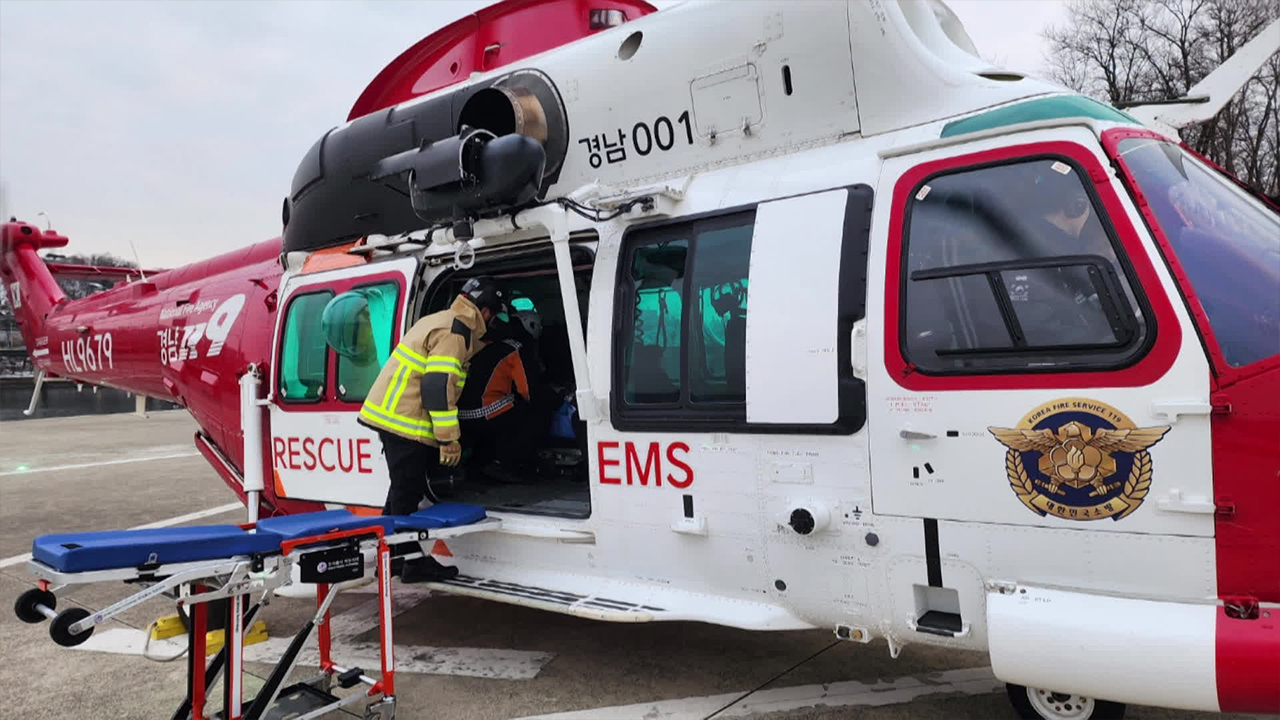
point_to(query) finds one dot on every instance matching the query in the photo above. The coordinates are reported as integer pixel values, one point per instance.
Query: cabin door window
(358, 325)
(303, 353)
(743, 320)
(684, 291)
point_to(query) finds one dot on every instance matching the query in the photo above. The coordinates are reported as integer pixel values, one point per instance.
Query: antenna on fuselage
(138, 260)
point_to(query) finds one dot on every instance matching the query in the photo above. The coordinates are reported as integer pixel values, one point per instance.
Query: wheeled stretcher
(202, 564)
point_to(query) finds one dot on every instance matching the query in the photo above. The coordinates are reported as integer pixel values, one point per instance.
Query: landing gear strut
(1040, 704)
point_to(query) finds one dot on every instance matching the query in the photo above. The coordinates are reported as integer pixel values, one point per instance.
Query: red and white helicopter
(1008, 378)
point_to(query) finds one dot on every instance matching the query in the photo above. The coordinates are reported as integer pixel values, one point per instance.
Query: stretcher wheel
(25, 607)
(60, 628)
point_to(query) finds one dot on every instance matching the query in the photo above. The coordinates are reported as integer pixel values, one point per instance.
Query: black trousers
(409, 463)
(511, 438)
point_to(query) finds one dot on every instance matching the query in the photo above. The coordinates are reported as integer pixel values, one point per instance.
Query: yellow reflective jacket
(416, 393)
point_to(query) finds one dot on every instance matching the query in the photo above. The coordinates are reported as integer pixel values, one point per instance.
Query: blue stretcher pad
(440, 515)
(83, 552)
(292, 527)
(112, 549)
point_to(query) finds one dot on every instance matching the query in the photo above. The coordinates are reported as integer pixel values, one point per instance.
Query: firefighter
(413, 403)
(500, 405)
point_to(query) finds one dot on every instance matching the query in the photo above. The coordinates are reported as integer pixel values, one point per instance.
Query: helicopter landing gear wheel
(1040, 704)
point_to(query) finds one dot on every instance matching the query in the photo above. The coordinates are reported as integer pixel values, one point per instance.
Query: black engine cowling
(478, 151)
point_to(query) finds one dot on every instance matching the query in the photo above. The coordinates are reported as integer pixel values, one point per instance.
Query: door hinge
(1221, 404)
(1241, 607)
(1224, 508)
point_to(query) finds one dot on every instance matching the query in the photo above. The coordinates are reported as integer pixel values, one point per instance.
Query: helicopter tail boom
(33, 291)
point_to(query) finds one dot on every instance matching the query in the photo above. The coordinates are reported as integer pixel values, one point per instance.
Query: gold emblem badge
(1079, 459)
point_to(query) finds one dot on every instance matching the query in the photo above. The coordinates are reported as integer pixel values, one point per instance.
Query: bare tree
(1140, 50)
(1099, 49)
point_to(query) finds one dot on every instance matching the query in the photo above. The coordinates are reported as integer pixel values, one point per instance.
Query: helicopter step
(616, 600)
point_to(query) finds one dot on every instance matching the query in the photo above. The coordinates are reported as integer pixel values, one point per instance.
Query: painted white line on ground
(191, 516)
(15, 560)
(469, 661)
(19, 559)
(492, 663)
(129, 641)
(970, 681)
(364, 617)
(100, 463)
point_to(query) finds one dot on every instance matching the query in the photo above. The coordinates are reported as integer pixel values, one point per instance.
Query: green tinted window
(303, 353)
(653, 356)
(359, 325)
(717, 358)
(702, 266)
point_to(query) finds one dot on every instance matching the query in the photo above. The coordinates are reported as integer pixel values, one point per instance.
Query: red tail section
(185, 335)
(168, 336)
(33, 292)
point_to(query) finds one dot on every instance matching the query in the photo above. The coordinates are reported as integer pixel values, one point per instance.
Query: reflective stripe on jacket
(416, 393)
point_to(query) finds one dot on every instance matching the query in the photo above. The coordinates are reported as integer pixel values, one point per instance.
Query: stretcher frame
(196, 584)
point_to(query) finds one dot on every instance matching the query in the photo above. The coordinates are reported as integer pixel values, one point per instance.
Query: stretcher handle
(288, 546)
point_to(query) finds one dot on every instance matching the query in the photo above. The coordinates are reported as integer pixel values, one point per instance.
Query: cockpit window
(1227, 243)
(1014, 268)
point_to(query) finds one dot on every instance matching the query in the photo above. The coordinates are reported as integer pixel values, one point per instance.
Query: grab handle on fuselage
(858, 350)
(910, 433)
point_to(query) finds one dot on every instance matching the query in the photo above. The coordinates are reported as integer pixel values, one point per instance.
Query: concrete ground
(464, 658)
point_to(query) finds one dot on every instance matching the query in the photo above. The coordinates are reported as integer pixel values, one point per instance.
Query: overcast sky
(178, 125)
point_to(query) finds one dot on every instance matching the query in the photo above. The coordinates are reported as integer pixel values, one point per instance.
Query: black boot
(426, 569)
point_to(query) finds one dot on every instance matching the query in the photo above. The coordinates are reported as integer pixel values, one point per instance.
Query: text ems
(641, 469)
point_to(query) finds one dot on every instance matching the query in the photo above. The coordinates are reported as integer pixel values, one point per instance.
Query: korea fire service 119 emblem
(1079, 459)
